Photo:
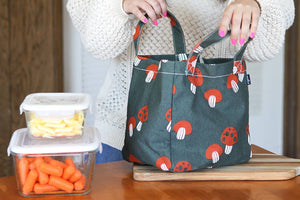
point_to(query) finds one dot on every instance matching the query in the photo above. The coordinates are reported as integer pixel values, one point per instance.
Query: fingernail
(221, 33)
(165, 14)
(252, 35)
(242, 40)
(145, 20)
(155, 22)
(233, 42)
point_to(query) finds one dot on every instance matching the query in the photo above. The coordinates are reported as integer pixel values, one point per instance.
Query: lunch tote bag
(186, 112)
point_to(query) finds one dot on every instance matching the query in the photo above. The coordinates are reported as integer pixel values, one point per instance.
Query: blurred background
(40, 51)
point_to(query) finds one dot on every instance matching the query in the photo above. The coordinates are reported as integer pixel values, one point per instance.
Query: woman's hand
(154, 8)
(243, 15)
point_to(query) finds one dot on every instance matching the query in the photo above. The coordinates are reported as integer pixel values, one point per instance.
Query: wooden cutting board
(262, 166)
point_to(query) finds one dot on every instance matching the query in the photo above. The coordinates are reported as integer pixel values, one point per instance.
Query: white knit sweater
(106, 32)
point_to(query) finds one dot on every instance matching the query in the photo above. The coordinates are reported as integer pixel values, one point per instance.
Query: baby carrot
(31, 165)
(30, 181)
(41, 189)
(68, 172)
(69, 161)
(57, 163)
(47, 159)
(43, 177)
(30, 159)
(23, 169)
(79, 185)
(38, 161)
(61, 183)
(50, 169)
(75, 177)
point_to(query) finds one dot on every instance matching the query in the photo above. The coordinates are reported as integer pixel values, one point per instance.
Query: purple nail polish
(252, 35)
(155, 22)
(233, 42)
(221, 33)
(145, 20)
(165, 14)
(242, 40)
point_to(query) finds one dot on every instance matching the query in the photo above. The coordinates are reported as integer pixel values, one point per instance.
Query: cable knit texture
(106, 32)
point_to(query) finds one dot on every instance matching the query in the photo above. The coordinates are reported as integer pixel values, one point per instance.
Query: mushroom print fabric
(186, 112)
(151, 72)
(196, 80)
(229, 138)
(213, 152)
(183, 166)
(169, 119)
(131, 125)
(163, 163)
(182, 128)
(143, 116)
(232, 83)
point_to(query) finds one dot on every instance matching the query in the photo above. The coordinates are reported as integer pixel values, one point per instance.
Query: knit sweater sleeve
(276, 17)
(105, 29)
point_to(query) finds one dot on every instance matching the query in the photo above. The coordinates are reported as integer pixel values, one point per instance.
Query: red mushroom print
(182, 128)
(172, 21)
(213, 96)
(232, 83)
(196, 80)
(163, 163)
(131, 125)
(143, 116)
(237, 65)
(138, 59)
(191, 63)
(168, 116)
(229, 137)
(174, 89)
(137, 32)
(213, 152)
(151, 72)
(132, 158)
(239, 68)
(183, 166)
(248, 133)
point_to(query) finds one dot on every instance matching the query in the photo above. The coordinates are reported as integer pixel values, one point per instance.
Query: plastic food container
(54, 166)
(51, 115)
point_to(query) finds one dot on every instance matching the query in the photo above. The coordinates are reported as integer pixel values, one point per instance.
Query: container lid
(23, 143)
(55, 101)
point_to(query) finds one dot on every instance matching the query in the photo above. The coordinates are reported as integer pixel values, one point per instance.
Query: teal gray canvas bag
(186, 112)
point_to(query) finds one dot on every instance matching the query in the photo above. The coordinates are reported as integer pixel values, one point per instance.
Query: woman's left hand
(243, 16)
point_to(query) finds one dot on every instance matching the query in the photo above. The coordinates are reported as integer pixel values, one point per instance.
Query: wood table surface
(114, 181)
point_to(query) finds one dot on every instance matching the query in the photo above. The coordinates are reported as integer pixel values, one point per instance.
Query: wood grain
(58, 45)
(30, 60)
(260, 167)
(32, 47)
(291, 88)
(4, 68)
(5, 112)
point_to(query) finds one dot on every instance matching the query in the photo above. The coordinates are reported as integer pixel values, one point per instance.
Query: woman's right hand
(154, 8)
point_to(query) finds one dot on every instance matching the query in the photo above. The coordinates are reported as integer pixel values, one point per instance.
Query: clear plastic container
(54, 166)
(51, 115)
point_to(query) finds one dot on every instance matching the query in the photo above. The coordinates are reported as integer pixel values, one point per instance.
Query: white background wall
(266, 103)
(83, 73)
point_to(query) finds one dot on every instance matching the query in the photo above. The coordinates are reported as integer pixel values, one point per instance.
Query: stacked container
(55, 154)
